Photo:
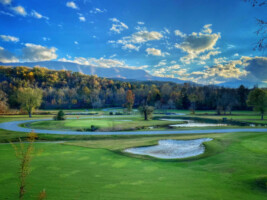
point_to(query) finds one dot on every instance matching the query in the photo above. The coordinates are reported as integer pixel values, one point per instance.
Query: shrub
(93, 128)
(60, 115)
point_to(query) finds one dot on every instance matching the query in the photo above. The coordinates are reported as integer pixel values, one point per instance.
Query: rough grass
(233, 168)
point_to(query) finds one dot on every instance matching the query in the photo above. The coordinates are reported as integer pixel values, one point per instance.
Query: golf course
(84, 166)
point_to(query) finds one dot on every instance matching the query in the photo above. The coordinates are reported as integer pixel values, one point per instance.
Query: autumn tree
(3, 102)
(29, 99)
(129, 100)
(257, 98)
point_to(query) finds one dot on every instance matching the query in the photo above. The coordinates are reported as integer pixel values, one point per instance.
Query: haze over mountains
(112, 72)
(115, 72)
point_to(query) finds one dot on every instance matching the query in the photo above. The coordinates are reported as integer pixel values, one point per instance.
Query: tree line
(66, 89)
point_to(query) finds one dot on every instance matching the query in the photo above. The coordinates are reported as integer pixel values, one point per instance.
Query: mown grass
(102, 124)
(233, 167)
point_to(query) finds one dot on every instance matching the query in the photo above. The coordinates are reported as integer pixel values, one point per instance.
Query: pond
(172, 149)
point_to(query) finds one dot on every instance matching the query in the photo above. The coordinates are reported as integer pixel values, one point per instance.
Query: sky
(204, 41)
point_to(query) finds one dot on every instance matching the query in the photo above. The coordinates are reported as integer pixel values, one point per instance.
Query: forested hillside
(66, 89)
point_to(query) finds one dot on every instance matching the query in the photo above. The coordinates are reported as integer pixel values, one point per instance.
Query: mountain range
(112, 72)
(120, 73)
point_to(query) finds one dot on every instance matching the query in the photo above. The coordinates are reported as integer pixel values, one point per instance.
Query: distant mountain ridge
(121, 73)
(112, 72)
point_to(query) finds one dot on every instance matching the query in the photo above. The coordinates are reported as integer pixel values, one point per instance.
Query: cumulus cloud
(81, 17)
(102, 62)
(161, 63)
(257, 67)
(207, 29)
(207, 56)
(229, 70)
(236, 55)
(197, 43)
(170, 71)
(155, 52)
(38, 15)
(136, 40)
(33, 52)
(139, 38)
(179, 33)
(6, 56)
(8, 38)
(97, 10)
(130, 47)
(72, 4)
(141, 23)
(220, 60)
(19, 10)
(118, 26)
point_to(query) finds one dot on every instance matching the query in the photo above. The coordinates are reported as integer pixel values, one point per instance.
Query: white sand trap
(171, 149)
(193, 124)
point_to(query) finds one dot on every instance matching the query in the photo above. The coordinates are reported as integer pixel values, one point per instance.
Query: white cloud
(33, 52)
(5, 2)
(155, 52)
(97, 10)
(75, 42)
(6, 13)
(166, 30)
(236, 55)
(141, 23)
(118, 26)
(197, 43)
(46, 39)
(6, 56)
(131, 47)
(179, 33)
(140, 37)
(161, 63)
(38, 15)
(8, 38)
(19, 10)
(207, 29)
(72, 4)
(82, 19)
(207, 56)
(220, 60)
(174, 67)
(102, 62)
(232, 70)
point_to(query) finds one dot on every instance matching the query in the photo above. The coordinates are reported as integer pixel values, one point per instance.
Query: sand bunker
(171, 149)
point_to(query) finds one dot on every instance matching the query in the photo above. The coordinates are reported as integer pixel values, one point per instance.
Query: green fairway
(230, 169)
(112, 123)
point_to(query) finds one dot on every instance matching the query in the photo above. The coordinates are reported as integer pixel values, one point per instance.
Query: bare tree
(262, 26)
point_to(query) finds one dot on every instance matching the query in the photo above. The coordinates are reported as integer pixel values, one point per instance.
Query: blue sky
(204, 41)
